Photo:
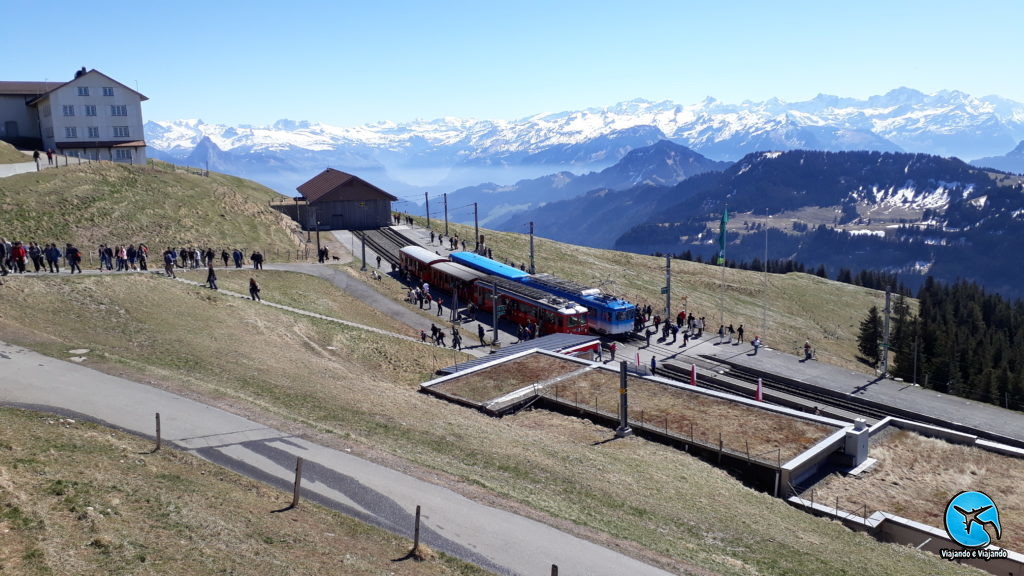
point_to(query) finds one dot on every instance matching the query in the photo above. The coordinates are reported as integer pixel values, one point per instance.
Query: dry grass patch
(304, 292)
(11, 155)
(652, 501)
(509, 376)
(111, 203)
(916, 476)
(767, 435)
(77, 498)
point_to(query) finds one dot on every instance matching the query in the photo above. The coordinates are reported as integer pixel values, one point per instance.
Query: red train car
(524, 305)
(417, 262)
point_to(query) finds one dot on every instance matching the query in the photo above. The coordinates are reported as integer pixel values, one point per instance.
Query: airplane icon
(971, 517)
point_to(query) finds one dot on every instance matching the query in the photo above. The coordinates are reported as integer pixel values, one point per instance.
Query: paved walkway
(30, 166)
(902, 395)
(494, 539)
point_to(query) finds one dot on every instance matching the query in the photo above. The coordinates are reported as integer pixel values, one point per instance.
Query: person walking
(18, 256)
(74, 257)
(36, 254)
(756, 343)
(808, 351)
(480, 333)
(654, 365)
(739, 334)
(224, 257)
(612, 348)
(732, 332)
(254, 290)
(721, 333)
(53, 258)
(456, 338)
(169, 262)
(211, 277)
(440, 306)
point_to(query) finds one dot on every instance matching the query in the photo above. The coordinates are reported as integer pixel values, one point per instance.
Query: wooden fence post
(298, 482)
(416, 531)
(158, 442)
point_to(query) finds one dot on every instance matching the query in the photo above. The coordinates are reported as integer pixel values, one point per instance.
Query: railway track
(384, 242)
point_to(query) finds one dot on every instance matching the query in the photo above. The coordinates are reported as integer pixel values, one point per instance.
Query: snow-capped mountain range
(447, 153)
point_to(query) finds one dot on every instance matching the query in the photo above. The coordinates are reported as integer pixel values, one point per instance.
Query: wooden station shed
(336, 200)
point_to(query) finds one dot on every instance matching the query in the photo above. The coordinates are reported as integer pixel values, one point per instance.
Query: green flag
(721, 237)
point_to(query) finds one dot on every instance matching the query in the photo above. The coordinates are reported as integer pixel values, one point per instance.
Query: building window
(70, 132)
(83, 90)
(94, 132)
(120, 132)
(90, 109)
(122, 154)
(69, 109)
(108, 90)
(118, 110)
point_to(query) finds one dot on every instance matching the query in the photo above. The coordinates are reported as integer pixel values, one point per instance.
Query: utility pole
(668, 287)
(885, 334)
(494, 311)
(316, 215)
(362, 268)
(445, 197)
(533, 269)
(476, 231)
(623, 430)
(426, 198)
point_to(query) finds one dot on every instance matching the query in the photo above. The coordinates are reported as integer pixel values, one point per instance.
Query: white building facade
(92, 116)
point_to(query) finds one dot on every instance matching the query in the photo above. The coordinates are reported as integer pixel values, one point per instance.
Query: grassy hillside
(784, 310)
(350, 388)
(80, 499)
(11, 155)
(111, 203)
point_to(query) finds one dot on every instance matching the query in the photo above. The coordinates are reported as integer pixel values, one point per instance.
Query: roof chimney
(80, 73)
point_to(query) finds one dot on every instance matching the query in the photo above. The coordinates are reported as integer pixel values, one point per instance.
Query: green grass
(362, 389)
(109, 203)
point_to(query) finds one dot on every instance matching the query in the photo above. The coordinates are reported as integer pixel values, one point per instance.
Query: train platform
(901, 395)
(506, 330)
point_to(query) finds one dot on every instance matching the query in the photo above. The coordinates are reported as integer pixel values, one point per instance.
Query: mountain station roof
(336, 186)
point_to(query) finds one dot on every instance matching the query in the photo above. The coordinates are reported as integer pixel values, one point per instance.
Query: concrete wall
(13, 109)
(898, 530)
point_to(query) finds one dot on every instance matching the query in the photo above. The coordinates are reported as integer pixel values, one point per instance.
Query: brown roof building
(337, 200)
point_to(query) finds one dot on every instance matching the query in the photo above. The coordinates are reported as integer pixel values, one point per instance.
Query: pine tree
(870, 336)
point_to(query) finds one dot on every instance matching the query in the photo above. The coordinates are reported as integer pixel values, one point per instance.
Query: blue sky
(350, 63)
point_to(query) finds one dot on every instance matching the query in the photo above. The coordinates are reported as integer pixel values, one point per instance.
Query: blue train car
(488, 266)
(606, 314)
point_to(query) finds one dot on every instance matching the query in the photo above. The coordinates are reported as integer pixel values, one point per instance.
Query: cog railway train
(556, 305)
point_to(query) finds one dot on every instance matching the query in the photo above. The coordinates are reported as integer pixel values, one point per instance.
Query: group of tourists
(689, 326)
(15, 257)
(437, 336)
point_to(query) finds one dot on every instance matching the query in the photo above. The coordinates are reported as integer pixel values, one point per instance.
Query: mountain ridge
(448, 153)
